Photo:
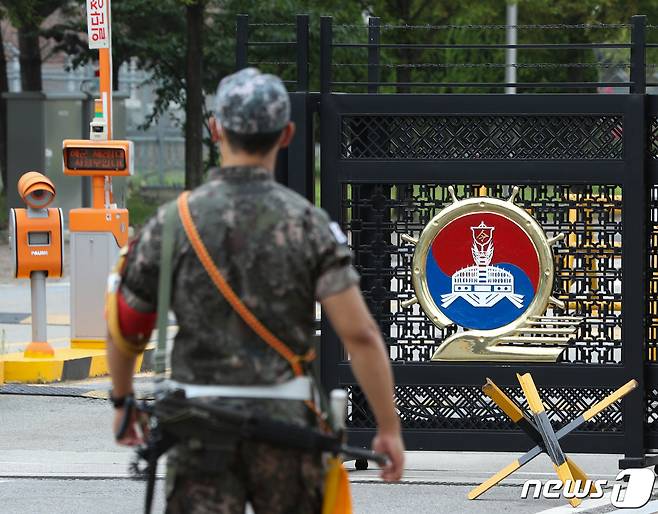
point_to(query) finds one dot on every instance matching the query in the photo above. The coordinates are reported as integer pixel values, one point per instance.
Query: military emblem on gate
(485, 265)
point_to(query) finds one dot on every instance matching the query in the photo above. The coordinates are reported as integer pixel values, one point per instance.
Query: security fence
(393, 139)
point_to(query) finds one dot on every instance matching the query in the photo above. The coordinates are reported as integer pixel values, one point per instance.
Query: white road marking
(649, 508)
(586, 506)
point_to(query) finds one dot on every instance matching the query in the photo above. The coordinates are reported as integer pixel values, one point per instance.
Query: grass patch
(150, 190)
(168, 178)
(140, 208)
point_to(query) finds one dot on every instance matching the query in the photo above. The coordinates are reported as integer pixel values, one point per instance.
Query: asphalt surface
(57, 456)
(15, 299)
(40, 496)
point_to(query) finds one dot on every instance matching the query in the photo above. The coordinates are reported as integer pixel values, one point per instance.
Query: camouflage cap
(251, 102)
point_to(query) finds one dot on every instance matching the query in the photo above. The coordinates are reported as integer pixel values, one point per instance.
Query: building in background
(159, 149)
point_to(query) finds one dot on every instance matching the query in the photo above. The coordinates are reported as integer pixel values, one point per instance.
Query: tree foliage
(487, 65)
(157, 35)
(27, 16)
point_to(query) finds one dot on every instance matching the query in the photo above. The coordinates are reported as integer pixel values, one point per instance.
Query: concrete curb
(67, 364)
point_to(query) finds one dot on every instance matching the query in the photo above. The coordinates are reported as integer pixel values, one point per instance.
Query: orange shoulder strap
(227, 292)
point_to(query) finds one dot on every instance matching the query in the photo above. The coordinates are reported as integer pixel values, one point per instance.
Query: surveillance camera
(36, 190)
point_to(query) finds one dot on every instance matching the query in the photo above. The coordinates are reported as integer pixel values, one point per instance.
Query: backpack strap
(295, 361)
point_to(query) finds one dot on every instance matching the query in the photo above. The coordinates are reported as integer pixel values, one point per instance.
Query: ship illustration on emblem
(486, 265)
(482, 285)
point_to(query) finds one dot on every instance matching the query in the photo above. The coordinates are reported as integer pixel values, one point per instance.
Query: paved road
(15, 299)
(20, 496)
(57, 456)
(41, 496)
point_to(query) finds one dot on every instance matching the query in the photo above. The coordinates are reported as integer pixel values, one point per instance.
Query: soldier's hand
(132, 436)
(392, 446)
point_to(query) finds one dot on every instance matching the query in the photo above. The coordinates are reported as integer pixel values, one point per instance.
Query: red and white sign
(98, 23)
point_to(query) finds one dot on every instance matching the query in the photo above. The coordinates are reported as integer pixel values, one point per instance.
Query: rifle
(175, 417)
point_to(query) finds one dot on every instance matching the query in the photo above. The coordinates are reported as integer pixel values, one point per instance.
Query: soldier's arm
(337, 290)
(362, 339)
(134, 307)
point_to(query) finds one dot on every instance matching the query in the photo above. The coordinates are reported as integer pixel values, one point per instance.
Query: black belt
(175, 418)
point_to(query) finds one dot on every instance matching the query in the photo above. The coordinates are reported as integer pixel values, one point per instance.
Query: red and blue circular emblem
(482, 271)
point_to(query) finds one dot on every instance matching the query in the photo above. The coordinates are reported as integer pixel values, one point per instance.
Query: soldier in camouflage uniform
(280, 254)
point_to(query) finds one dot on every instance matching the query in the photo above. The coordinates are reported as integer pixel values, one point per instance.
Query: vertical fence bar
(510, 53)
(374, 33)
(326, 38)
(300, 151)
(330, 190)
(635, 238)
(634, 243)
(302, 52)
(638, 54)
(241, 41)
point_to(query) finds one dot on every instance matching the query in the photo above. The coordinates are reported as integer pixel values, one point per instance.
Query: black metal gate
(586, 166)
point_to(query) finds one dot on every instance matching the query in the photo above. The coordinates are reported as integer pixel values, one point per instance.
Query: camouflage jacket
(279, 253)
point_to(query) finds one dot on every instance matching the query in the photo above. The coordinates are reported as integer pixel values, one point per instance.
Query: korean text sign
(98, 23)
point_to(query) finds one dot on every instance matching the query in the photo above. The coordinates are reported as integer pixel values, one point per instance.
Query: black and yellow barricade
(539, 429)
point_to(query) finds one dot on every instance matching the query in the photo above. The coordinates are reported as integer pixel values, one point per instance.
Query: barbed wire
(550, 26)
(489, 65)
(468, 65)
(273, 62)
(272, 25)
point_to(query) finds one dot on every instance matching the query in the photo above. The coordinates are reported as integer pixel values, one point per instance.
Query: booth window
(38, 238)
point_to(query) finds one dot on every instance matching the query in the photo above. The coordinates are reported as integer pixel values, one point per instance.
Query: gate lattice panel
(588, 263)
(481, 137)
(386, 169)
(586, 164)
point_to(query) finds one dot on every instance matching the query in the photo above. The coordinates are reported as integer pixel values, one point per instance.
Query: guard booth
(392, 147)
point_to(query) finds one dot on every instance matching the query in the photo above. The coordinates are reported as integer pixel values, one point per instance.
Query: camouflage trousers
(273, 480)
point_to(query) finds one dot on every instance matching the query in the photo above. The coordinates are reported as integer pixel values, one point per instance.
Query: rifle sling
(164, 285)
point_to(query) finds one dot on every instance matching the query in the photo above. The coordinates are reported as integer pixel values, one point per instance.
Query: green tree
(465, 65)
(187, 46)
(155, 34)
(431, 22)
(195, 18)
(27, 16)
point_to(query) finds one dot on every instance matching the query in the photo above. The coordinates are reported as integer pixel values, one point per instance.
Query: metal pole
(325, 53)
(38, 290)
(105, 74)
(302, 52)
(638, 54)
(87, 113)
(510, 53)
(373, 54)
(241, 41)
(101, 195)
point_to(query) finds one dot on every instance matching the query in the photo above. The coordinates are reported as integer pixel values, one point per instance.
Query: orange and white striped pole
(99, 31)
(97, 233)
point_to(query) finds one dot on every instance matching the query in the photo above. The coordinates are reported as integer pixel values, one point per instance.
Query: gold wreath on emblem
(533, 336)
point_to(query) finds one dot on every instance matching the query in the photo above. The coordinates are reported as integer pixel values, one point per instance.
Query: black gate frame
(636, 172)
